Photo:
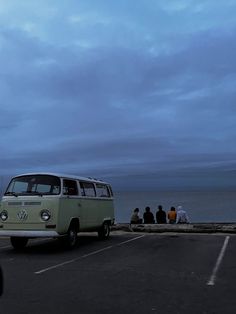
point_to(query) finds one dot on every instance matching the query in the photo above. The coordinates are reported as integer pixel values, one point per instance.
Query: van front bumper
(29, 233)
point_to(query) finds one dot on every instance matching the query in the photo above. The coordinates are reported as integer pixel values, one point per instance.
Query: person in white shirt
(182, 217)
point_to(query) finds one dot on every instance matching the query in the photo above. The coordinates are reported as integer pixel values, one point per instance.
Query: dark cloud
(94, 90)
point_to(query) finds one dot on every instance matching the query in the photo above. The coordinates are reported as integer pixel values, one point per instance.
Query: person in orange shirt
(172, 215)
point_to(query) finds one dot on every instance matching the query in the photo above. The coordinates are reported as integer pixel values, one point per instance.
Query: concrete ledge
(182, 228)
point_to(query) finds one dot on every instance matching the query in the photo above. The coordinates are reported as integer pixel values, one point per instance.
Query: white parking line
(85, 255)
(5, 247)
(212, 279)
(133, 239)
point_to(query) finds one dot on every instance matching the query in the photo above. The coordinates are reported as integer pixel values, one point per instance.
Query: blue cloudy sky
(138, 92)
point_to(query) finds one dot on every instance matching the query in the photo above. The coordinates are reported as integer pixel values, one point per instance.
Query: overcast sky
(138, 92)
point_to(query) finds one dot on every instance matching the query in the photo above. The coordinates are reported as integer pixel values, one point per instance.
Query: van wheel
(19, 242)
(71, 237)
(104, 231)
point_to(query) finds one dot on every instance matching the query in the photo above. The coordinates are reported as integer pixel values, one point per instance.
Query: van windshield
(34, 185)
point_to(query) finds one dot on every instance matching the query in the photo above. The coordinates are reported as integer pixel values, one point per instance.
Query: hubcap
(72, 236)
(106, 229)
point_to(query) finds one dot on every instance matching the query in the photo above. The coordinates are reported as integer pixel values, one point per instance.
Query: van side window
(102, 190)
(87, 189)
(70, 187)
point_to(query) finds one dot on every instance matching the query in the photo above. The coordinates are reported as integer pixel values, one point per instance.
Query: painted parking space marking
(5, 247)
(86, 255)
(211, 281)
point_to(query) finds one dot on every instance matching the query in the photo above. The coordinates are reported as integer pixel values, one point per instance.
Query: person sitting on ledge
(148, 216)
(135, 219)
(161, 215)
(172, 215)
(182, 217)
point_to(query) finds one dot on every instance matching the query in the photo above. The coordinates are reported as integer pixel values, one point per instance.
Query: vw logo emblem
(22, 215)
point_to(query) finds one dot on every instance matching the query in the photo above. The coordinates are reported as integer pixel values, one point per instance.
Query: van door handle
(79, 204)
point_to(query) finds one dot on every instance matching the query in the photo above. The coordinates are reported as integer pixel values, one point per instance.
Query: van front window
(33, 185)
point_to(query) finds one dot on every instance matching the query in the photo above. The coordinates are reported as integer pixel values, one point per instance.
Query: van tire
(71, 238)
(104, 231)
(19, 242)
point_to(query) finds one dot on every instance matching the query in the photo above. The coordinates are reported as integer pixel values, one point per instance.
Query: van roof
(63, 175)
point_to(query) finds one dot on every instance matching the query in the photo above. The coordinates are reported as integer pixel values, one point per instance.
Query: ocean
(201, 205)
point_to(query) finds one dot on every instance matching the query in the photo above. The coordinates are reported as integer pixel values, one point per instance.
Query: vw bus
(55, 205)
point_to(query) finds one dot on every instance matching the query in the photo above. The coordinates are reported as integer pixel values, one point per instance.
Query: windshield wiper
(11, 193)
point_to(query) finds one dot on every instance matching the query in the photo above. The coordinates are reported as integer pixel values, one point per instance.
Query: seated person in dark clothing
(148, 216)
(135, 219)
(161, 215)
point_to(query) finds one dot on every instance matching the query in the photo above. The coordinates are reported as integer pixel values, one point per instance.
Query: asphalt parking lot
(129, 273)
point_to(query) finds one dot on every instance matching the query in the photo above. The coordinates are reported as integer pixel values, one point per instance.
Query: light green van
(55, 205)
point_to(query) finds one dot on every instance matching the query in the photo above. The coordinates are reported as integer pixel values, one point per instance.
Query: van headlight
(4, 215)
(45, 214)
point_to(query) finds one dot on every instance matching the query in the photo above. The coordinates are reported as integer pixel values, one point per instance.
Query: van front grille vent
(24, 203)
(32, 203)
